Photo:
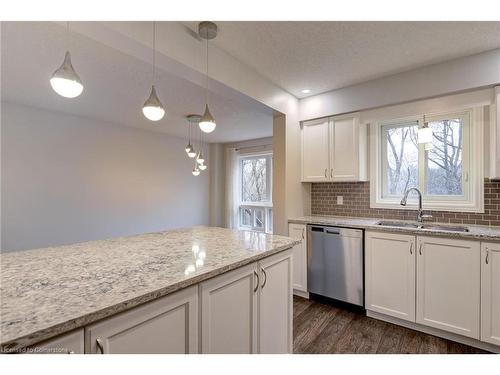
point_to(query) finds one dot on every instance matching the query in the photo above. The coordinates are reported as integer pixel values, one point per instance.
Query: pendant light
(153, 109)
(64, 80)
(196, 170)
(425, 134)
(207, 30)
(190, 151)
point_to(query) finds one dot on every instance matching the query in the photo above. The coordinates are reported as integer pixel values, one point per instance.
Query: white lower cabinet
(229, 312)
(68, 343)
(490, 293)
(249, 310)
(168, 325)
(390, 274)
(448, 285)
(299, 231)
(276, 305)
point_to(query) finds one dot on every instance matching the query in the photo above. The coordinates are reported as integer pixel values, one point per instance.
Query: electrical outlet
(340, 199)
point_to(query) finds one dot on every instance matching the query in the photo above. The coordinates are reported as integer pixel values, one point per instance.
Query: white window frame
(472, 155)
(267, 206)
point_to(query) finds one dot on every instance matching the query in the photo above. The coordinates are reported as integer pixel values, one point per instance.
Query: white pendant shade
(188, 148)
(200, 159)
(196, 171)
(153, 109)
(424, 135)
(207, 123)
(65, 81)
(202, 167)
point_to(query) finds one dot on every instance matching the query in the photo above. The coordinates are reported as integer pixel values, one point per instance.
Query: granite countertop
(46, 292)
(475, 231)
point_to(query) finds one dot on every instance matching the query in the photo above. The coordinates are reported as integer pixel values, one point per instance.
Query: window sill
(430, 206)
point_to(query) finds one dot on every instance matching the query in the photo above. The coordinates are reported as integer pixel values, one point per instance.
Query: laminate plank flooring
(323, 329)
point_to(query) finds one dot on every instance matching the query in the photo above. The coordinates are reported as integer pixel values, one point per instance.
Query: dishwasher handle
(332, 231)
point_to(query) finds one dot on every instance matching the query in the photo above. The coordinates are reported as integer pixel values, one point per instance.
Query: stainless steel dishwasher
(335, 263)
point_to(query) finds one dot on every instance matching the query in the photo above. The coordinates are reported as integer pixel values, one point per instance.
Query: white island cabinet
(67, 343)
(249, 310)
(490, 293)
(168, 325)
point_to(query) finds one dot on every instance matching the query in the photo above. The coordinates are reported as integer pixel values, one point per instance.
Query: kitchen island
(200, 289)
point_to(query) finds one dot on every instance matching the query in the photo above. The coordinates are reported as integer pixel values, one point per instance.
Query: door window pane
(444, 160)
(400, 158)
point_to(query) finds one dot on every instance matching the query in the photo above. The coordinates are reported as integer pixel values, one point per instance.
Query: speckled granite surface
(475, 231)
(49, 291)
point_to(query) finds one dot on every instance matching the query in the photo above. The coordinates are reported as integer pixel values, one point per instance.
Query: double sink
(438, 227)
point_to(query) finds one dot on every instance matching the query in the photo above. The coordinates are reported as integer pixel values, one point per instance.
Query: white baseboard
(301, 293)
(434, 331)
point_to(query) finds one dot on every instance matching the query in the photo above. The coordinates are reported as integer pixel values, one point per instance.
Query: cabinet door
(490, 293)
(315, 151)
(390, 274)
(276, 304)
(229, 312)
(68, 343)
(344, 152)
(168, 325)
(299, 232)
(448, 285)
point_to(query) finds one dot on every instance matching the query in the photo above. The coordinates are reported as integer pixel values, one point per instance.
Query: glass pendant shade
(424, 135)
(192, 153)
(65, 81)
(202, 167)
(196, 171)
(200, 159)
(188, 148)
(207, 123)
(153, 109)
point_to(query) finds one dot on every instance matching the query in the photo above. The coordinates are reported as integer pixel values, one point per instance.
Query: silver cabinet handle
(265, 278)
(487, 256)
(411, 247)
(326, 172)
(258, 281)
(99, 345)
(302, 233)
(331, 173)
(420, 249)
(71, 352)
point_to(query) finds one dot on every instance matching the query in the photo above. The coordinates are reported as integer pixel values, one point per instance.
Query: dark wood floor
(321, 328)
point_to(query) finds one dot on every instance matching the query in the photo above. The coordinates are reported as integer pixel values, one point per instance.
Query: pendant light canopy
(64, 80)
(207, 30)
(153, 109)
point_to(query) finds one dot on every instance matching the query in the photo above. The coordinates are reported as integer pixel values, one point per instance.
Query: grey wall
(69, 179)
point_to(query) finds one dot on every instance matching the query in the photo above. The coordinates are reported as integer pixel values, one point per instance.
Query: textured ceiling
(116, 85)
(323, 56)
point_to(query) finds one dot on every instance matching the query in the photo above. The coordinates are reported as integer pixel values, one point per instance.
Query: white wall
(68, 179)
(466, 73)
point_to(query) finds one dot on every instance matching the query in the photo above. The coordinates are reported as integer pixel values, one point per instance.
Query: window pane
(254, 180)
(259, 218)
(245, 217)
(270, 220)
(444, 160)
(401, 158)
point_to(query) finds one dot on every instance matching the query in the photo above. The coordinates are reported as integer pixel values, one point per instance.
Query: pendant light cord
(67, 36)
(154, 50)
(206, 87)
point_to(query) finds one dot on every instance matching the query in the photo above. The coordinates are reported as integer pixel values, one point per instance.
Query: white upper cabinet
(390, 274)
(168, 325)
(334, 149)
(494, 136)
(299, 232)
(490, 293)
(315, 150)
(448, 284)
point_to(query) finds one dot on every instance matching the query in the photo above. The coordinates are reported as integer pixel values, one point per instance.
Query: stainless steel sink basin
(403, 224)
(399, 224)
(456, 228)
